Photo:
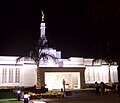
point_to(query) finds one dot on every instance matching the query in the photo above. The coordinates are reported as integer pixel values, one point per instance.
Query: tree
(107, 53)
(38, 54)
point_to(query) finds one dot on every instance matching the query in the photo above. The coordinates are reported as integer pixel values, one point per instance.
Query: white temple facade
(76, 71)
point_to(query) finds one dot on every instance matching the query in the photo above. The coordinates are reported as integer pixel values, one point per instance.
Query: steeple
(42, 26)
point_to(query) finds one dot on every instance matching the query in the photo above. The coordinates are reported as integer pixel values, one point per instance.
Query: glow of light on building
(100, 74)
(53, 80)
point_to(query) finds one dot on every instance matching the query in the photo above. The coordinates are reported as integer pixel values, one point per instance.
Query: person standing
(102, 85)
(96, 88)
(26, 97)
(64, 87)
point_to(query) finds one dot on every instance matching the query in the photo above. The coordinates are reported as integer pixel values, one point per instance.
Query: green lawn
(8, 97)
(7, 94)
(10, 101)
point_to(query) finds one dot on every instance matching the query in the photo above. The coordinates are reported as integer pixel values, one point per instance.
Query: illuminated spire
(42, 26)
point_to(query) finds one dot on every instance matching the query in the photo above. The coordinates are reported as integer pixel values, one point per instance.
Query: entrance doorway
(53, 80)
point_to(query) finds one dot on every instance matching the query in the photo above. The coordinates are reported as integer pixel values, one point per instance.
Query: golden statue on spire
(43, 15)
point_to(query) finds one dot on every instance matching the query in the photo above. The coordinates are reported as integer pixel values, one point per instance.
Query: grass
(10, 101)
(7, 95)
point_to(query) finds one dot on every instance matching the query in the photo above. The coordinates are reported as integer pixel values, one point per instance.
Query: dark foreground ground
(81, 97)
(85, 98)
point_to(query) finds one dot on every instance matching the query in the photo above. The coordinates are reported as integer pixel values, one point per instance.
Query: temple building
(76, 71)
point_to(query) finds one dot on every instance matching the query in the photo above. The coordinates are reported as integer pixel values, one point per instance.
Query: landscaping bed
(49, 94)
(52, 94)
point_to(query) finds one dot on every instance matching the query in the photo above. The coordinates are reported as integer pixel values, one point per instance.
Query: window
(10, 75)
(17, 75)
(4, 75)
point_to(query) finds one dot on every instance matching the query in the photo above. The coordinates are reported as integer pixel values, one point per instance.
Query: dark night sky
(73, 27)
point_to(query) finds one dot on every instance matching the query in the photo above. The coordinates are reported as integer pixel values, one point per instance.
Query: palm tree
(107, 54)
(37, 54)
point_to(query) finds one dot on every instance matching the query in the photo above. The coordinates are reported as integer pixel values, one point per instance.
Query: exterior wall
(53, 69)
(10, 70)
(29, 77)
(5, 81)
(99, 73)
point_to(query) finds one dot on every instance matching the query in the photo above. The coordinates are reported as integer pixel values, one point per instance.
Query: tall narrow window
(17, 75)
(93, 74)
(89, 74)
(10, 75)
(98, 73)
(4, 75)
